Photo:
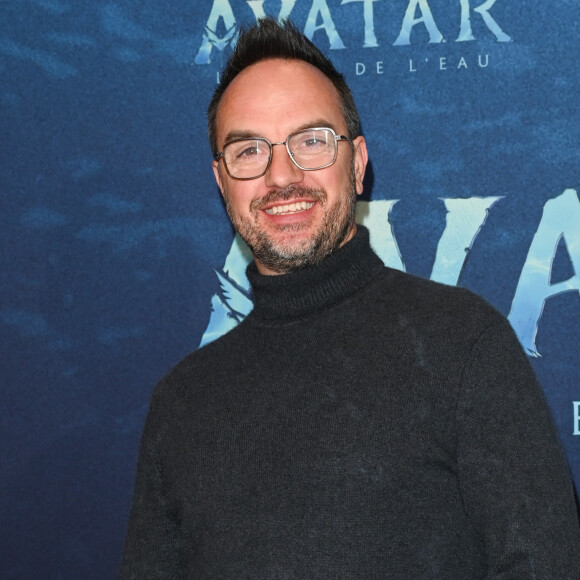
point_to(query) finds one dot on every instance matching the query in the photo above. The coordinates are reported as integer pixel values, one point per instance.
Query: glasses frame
(337, 138)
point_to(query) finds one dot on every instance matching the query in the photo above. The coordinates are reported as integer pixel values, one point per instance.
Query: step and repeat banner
(118, 258)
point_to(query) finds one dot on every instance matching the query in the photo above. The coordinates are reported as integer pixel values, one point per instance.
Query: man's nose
(282, 171)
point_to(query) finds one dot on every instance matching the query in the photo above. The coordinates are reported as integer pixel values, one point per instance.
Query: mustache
(288, 193)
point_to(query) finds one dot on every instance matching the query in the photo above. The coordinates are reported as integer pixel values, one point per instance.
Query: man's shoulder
(411, 293)
(207, 364)
(450, 315)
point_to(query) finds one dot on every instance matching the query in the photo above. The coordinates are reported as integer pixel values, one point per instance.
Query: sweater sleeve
(513, 474)
(152, 543)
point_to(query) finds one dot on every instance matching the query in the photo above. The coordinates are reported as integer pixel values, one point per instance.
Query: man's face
(290, 218)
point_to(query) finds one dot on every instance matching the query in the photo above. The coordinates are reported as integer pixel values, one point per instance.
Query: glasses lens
(247, 158)
(313, 148)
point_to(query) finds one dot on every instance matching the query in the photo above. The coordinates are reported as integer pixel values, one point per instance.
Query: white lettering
(409, 21)
(465, 32)
(411, 69)
(576, 405)
(257, 7)
(320, 7)
(382, 238)
(442, 63)
(220, 9)
(380, 67)
(369, 19)
(465, 219)
(220, 35)
(560, 221)
(360, 68)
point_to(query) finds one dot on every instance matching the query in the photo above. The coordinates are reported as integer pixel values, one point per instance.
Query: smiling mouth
(289, 208)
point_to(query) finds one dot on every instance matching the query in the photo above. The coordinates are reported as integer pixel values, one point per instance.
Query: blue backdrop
(118, 258)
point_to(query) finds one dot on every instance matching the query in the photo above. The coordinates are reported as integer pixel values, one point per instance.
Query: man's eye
(250, 151)
(311, 144)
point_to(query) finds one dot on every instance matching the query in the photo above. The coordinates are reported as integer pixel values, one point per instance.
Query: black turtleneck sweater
(359, 423)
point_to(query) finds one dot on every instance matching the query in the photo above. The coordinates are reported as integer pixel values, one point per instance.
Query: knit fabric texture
(359, 423)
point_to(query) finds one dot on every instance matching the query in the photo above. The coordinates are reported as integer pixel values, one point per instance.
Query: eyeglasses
(309, 149)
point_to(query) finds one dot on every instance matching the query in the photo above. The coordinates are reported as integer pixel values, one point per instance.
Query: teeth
(290, 208)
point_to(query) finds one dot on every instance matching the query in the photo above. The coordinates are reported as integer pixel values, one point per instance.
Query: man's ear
(361, 158)
(216, 173)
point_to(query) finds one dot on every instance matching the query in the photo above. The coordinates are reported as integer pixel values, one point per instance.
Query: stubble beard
(294, 254)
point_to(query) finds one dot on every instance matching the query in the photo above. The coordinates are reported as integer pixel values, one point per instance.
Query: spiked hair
(269, 39)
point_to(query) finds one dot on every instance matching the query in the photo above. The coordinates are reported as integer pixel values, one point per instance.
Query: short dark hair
(269, 39)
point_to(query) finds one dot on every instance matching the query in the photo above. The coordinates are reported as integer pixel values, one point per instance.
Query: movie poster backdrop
(118, 258)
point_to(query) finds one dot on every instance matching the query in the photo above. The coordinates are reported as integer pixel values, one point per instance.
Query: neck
(313, 288)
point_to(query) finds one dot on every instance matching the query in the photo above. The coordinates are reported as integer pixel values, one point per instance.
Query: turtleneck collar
(287, 296)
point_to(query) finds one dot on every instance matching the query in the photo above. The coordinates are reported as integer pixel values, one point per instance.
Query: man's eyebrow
(316, 123)
(247, 134)
(240, 134)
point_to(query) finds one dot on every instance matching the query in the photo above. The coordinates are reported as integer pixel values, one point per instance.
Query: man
(360, 422)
